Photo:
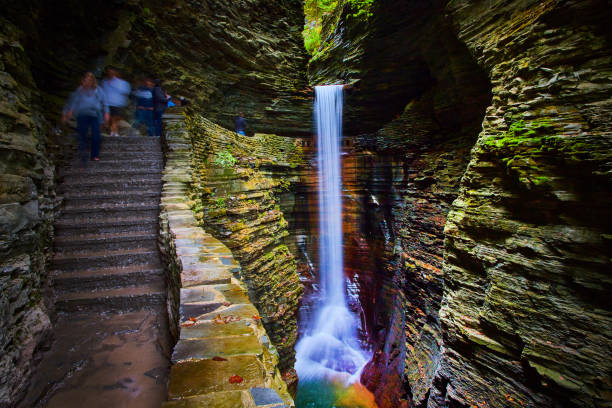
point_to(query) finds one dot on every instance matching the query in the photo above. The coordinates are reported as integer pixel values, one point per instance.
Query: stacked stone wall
(238, 181)
(223, 356)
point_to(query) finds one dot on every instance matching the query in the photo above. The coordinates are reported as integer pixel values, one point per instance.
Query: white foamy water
(330, 347)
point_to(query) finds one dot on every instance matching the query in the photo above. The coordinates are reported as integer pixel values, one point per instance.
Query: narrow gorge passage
(476, 198)
(112, 344)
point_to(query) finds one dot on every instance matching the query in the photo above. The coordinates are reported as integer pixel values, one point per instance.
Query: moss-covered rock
(239, 201)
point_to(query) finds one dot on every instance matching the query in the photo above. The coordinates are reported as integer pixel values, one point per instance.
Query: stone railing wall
(223, 356)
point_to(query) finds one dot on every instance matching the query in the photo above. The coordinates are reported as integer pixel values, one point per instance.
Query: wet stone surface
(105, 360)
(223, 350)
(112, 344)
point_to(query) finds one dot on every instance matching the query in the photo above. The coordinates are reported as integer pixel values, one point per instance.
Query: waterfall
(330, 348)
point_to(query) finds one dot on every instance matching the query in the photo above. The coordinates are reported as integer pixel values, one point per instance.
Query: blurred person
(160, 103)
(240, 124)
(144, 106)
(116, 92)
(89, 105)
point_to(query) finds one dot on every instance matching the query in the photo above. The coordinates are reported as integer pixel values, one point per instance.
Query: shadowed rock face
(225, 57)
(503, 304)
(26, 212)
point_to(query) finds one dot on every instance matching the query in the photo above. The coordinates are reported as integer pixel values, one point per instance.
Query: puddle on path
(105, 360)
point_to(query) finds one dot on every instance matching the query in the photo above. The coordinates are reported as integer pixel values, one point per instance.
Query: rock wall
(217, 54)
(526, 310)
(223, 356)
(237, 185)
(503, 304)
(26, 214)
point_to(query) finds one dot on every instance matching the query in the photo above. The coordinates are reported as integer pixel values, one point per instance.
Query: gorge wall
(27, 205)
(490, 277)
(477, 177)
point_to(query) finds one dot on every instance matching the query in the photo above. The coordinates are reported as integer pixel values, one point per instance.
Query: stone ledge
(218, 331)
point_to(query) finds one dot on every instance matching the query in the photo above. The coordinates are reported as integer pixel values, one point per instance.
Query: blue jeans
(157, 121)
(144, 117)
(83, 125)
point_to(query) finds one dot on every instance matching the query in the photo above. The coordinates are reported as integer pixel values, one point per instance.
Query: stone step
(150, 212)
(114, 155)
(82, 197)
(92, 173)
(118, 205)
(124, 298)
(144, 140)
(109, 184)
(92, 259)
(109, 149)
(106, 278)
(104, 224)
(104, 166)
(129, 239)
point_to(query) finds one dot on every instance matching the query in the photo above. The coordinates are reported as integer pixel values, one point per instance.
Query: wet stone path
(111, 344)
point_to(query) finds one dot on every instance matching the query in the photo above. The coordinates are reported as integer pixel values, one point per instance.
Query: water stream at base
(329, 357)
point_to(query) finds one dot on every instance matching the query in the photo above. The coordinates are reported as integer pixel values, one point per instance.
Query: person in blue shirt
(240, 124)
(160, 103)
(89, 105)
(116, 92)
(144, 106)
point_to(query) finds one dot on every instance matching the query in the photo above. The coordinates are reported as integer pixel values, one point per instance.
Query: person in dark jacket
(160, 103)
(240, 124)
(144, 106)
(89, 106)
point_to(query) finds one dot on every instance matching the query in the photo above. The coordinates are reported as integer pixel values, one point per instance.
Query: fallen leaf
(188, 323)
(257, 317)
(231, 318)
(193, 319)
(217, 358)
(236, 379)
(218, 319)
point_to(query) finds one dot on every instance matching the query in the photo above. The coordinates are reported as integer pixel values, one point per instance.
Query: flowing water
(329, 357)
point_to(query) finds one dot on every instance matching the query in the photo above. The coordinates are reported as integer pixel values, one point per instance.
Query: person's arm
(105, 107)
(67, 109)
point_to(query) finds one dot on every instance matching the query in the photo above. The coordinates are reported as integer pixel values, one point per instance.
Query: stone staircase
(106, 255)
(109, 284)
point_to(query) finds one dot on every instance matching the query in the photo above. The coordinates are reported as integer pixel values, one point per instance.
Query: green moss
(361, 9)
(540, 180)
(219, 203)
(225, 159)
(523, 133)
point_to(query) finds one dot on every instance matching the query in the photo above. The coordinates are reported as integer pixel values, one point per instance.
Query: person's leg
(157, 119)
(82, 127)
(149, 122)
(95, 137)
(115, 112)
(138, 119)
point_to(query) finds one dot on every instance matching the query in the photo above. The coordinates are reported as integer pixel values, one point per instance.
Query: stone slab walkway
(111, 345)
(223, 357)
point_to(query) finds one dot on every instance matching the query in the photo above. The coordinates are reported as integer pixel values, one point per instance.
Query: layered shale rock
(26, 213)
(224, 57)
(237, 185)
(507, 306)
(526, 307)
